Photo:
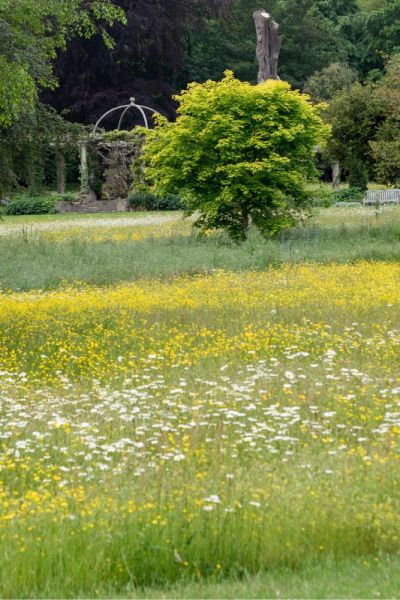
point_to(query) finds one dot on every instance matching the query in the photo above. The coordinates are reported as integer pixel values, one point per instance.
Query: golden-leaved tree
(237, 153)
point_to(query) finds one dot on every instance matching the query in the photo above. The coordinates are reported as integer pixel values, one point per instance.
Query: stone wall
(97, 206)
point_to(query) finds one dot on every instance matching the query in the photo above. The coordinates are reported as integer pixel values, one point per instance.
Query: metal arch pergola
(125, 108)
(84, 167)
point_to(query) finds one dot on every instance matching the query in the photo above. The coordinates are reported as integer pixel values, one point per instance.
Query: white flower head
(289, 375)
(213, 499)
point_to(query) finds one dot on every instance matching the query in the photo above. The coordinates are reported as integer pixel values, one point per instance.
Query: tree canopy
(53, 52)
(165, 44)
(31, 32)
(366, 126)
(325, 84)
(315, 34)
(193, 40)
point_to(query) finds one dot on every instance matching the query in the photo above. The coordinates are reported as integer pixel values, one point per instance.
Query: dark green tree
(385, 146)
(147, 61)
(381, 36)
(323, 85)
(355, 115)
(315, 34)
(366, 127)
(31, 32)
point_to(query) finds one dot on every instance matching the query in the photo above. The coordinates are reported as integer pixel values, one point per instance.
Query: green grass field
(42, 251)
(190, 418)
(357, 578)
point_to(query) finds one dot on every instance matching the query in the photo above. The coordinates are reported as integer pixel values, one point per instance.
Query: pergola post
(84, 169)
(60, 162)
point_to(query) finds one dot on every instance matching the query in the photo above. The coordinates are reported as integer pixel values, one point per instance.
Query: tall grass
(33, 259)
(207, 428)
(203, 427)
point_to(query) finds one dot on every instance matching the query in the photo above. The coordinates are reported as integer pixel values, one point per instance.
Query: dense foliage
(29, 146)
(169, 43)
(325, 84)
(26, 205)
(31, 32)
(55, 51)
(237, 152)
(366, 128)
(149, 201)
(148, 60)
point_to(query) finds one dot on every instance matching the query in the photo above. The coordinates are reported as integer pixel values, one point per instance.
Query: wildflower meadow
(197, 426)
(199, 299)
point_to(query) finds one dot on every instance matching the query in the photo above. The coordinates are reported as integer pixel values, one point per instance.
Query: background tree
(225, 40)
(196, 40)
(237, 152)
(355, 115)
(147, 61)
(323, 85)
(315, 34)
(371, 5)
(385, 147)
(28, 149)
(31, 32)
(366, 127)
(382, 34)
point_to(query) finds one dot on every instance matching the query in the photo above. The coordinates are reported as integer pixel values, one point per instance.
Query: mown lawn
(200, 432)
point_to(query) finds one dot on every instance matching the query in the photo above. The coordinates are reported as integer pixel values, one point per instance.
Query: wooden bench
(382, 197)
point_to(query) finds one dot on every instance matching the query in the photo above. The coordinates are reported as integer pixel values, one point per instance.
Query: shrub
(168, 202)
(149, 201)
(142, 201)
(325, 198)
(323, 85)
(322, 197)
(352, 194)
(29, 205)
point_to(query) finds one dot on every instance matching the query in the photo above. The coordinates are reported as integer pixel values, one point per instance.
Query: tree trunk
(268, 45)
(60, 158)
(245, 222)
(336, 175)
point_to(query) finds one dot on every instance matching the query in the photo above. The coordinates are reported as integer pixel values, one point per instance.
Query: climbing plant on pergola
(115, 148)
